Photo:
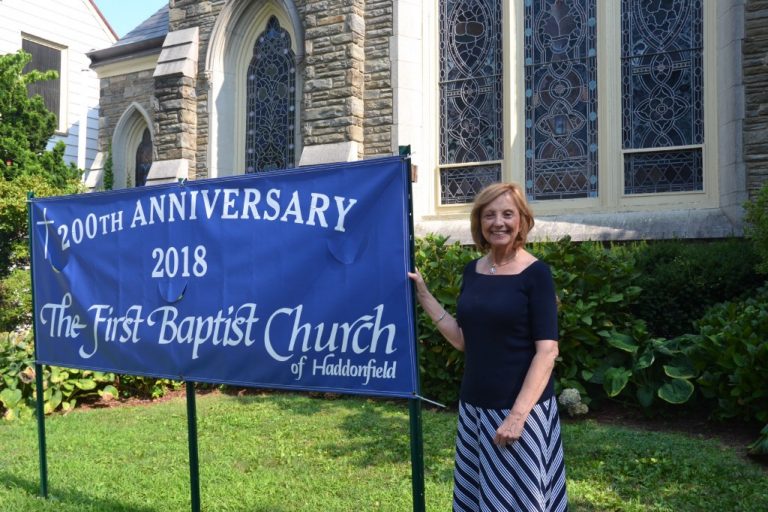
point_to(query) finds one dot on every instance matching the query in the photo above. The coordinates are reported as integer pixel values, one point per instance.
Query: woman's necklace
(495, 265)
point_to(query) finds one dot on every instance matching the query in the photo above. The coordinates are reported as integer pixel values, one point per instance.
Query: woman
(509, 455)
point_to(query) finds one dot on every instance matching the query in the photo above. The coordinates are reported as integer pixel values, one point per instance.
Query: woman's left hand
(511, 429)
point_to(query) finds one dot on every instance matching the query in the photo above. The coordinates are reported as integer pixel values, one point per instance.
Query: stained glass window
(662, 94)
(667, 171)
(461, 184)
(560, 99)
(471, 97)
(271, 95)
(143, 159)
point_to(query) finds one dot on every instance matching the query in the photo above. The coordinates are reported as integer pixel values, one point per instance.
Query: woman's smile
(500, 221)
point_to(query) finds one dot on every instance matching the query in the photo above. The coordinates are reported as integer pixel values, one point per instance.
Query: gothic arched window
(143, 158)
(270, 102)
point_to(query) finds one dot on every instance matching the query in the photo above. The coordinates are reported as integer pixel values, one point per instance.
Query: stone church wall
(755, 55)
(118, 93)
(347, 91)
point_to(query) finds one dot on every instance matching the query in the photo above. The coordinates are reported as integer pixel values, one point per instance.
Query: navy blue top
(501, 317)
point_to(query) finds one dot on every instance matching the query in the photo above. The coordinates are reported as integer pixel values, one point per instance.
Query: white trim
(124, 67)
(168, 171)
(632, 225)
(514, 98)
(93, 178)
(328, 153)
(82, 137)
(425, 190)
(408, 68)
(99, 17)
(731, 109)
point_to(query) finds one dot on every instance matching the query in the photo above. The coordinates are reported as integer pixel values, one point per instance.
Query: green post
(39, 391)
(194, 466)
(417, 455)
(40, 409)
(414, 404)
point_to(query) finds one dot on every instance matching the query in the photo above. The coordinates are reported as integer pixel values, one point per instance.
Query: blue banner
(290, 279)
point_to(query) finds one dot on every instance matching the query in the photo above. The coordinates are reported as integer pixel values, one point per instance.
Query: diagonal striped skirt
(526, 476)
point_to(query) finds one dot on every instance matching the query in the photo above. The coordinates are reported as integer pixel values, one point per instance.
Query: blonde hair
(486, 197)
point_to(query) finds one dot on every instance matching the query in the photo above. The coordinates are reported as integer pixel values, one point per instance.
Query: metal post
(417, 455)
(40, 409)
(414, 404)
(39, 390)
(194, 467)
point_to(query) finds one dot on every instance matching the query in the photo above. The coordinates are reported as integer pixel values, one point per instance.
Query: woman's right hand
(418, 281)
(445, 323)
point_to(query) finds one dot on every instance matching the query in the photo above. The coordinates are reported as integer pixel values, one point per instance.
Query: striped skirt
(526, 476)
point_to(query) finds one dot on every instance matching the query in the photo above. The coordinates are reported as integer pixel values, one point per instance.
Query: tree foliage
(26, 125)
(26, 165)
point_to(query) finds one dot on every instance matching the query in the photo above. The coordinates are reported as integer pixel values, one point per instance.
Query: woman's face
(500, 221)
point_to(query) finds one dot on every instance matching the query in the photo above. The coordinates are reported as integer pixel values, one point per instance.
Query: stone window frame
(126, 138)
(229, 53)
(611, 195)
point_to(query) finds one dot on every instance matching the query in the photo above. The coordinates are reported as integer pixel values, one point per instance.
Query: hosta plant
(62, 387)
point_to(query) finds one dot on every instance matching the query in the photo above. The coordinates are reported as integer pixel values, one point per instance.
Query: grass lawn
(289, 453)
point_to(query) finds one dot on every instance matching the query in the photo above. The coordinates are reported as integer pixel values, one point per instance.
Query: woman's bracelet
(441, 317)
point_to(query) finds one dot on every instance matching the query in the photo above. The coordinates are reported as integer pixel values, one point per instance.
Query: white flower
(570, 398)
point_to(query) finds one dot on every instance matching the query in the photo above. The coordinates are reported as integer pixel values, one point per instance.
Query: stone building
(623, 119)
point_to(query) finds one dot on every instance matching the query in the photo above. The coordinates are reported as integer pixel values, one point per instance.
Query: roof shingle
(153, 27)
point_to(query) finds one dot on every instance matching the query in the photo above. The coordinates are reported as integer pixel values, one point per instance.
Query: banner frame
(414, 402)
(173, 367)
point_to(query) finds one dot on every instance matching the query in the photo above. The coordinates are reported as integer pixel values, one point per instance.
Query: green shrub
(605, 351)
(441, 264)
(595, 288)
(145, 387)
(26, 127)
(109, 173)
(63, 387)
(15, 300)
(17, 375)
(682, 279)
(730, 356)
(13, 216)
(756, 227)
